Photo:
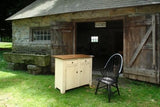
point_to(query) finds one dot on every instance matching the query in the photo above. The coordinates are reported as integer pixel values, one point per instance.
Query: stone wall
(31, 48)
(21, 37)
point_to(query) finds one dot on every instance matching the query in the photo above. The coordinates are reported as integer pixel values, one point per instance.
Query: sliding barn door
(140, 48)
(61, 40)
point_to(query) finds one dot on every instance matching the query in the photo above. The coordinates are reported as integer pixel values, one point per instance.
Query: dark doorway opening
(101, 40)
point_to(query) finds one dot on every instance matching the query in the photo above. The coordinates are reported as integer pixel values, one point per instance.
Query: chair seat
(108, 80)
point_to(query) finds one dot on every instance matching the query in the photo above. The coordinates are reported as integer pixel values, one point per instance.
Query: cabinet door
(72, 78)
(84, 71)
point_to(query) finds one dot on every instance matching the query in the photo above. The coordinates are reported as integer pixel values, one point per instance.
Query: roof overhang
(52, 7)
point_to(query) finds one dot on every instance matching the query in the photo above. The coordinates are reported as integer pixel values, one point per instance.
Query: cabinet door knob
(80, 71)
(72, 62)
(76, 71)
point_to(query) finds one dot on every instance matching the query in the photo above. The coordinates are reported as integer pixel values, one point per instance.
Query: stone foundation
(17, 66)
(33, 69)
(33, 63)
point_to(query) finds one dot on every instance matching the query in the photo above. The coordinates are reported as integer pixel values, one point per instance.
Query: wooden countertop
(73, 56)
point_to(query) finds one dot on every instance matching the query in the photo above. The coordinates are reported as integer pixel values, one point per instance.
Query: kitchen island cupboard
(72, 71)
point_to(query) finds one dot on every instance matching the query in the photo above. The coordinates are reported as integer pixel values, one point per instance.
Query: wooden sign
(100, 24)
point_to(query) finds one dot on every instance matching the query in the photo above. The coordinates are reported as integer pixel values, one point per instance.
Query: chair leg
(109, 92)
(97, 87)
(117, 89)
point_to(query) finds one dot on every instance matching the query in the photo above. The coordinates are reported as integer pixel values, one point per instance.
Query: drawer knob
(80, 71)
(72, 62)
(77, 72)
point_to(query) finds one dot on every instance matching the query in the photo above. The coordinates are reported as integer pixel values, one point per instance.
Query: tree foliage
(8, 8)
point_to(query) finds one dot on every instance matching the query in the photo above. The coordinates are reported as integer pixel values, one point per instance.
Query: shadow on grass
(40, 88)
(10, 81)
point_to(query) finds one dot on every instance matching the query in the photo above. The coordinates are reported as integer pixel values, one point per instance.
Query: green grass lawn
(20, 89)
(5, 45)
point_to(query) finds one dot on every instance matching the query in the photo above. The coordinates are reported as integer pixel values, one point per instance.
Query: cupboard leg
(62, 91)
(90, 84)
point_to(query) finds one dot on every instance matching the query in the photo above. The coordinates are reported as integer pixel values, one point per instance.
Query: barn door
(61, 40)
(140, 53)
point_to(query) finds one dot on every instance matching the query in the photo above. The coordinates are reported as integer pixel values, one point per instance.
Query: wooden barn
(95, 27)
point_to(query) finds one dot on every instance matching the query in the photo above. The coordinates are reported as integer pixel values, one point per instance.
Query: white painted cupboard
(72, 71)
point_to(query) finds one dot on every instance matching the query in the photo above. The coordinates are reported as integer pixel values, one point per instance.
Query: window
(41, 34)
(94, 39)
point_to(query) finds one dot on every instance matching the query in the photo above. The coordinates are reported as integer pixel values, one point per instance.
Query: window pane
(94, 39)
(41, 34)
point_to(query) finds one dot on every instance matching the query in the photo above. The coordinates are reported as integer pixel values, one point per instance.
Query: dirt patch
(4, 99)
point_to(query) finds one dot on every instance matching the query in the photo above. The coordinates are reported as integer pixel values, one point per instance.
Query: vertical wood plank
(158, 47)
(52, 51)
(124, 42)
(154, 39)
(74, 37)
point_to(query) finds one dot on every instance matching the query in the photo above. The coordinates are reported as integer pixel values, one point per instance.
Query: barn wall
(21, 28)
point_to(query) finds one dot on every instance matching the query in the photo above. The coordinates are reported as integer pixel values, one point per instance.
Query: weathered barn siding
(145, 65)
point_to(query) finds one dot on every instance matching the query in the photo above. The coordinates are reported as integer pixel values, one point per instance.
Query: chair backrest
(113, 67)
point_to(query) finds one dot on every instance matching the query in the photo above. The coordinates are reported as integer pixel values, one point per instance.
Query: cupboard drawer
(71, 62)
(87, 60)
(84, 61)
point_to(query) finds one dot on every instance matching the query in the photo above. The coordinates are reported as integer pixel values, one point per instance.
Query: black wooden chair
(110, 74)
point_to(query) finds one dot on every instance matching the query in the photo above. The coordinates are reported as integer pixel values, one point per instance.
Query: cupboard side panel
(59, 79)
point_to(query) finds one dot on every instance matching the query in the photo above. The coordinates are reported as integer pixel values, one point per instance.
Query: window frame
(39, 28)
